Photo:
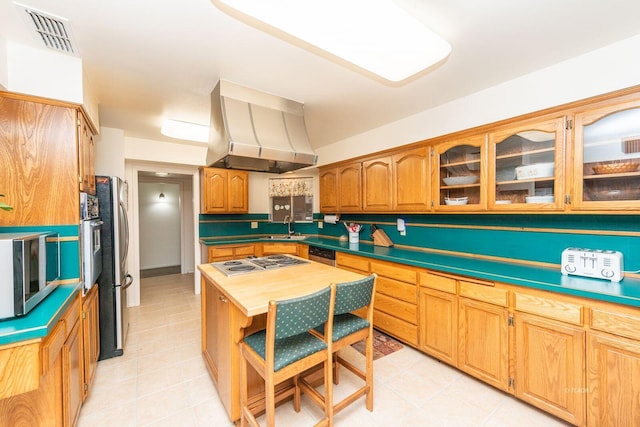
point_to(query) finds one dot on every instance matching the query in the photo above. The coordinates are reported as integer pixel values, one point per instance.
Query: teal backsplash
(69, 249)
(540, 238)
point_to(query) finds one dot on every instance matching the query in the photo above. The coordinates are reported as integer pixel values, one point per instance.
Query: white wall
(613, 67)
(4, 70)
(159, 222)
(110, 152)
(167, 152)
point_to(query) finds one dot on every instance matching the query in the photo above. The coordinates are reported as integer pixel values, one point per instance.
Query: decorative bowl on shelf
(539, 199)
(456, 201)
(503, 202)
(535, 170)
(460, 180)
(615, 167)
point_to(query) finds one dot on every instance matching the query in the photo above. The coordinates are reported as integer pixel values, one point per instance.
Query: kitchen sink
(285, 237)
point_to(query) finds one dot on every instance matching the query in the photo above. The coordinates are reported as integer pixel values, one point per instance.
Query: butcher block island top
(234, 307)
(252, 292)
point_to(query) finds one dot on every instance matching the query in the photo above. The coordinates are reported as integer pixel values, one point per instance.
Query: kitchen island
(237, 305)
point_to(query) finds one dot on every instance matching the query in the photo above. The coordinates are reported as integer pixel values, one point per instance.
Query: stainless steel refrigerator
(114, 279)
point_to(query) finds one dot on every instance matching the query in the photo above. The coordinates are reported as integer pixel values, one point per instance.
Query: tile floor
(161, 380)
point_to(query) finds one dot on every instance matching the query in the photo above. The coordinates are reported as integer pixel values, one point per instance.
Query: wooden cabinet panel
(72, 376)
(398, 290)
(440, 283)
(438, 324)
(229, 252)
(224, 191)
(411, 180)
(86, 156)
(549, 307)
(352, 262)
(613, 381)
(328, 190)
(483, 342)
(550, 366)
(20, 369)
(39, 161)
(395, 271)
(377, 185)
(404, 331)
(497, 296)
(349, 188)
(90, 337)
(394, 307)
(617, 323)
(279, 248)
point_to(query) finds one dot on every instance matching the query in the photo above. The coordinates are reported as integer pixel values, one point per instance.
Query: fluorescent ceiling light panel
(185, 130)
(375, 35)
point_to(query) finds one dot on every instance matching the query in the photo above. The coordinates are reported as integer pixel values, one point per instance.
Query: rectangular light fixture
(185, 130)
(375, 35)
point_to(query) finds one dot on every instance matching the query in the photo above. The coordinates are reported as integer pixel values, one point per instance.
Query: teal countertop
(41, 320)
(626, 292)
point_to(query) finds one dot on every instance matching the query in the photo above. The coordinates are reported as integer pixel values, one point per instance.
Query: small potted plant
(4, 206)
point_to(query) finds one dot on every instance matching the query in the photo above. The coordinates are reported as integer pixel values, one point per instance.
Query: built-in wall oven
(322, 255)
(91, 252)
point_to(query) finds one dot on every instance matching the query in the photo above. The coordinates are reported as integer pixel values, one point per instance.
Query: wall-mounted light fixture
(161, 196)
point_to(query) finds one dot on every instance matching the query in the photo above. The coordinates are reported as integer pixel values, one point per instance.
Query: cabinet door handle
(222, 299)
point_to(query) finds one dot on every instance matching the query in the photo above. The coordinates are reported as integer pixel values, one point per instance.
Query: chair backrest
(351, 296)
(297, 315)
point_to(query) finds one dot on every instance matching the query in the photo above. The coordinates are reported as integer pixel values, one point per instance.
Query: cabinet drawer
(439, 283)
(215, 252)
(405, 274)
(553, 309)
(350, 261)
(399, 290)
(280, 248)
(484, 293)
(244, 250)
(20, 368)
(623, 324)
(400, 329)
(72, 315)
(396, 308)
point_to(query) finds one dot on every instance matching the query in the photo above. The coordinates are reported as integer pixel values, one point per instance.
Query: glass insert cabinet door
(607, 160)
(526, 166)
(461, 179)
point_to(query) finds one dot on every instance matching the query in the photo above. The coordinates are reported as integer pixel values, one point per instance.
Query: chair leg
(336, 368)
(270, 402)
(328, 389)
(296, 395)
(369, 370)
(243, 390)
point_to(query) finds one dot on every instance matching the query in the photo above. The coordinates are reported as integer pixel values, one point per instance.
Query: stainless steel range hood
(256, 131)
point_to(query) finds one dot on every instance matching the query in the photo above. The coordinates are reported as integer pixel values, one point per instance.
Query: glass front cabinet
(526, 166)
(607, 158)
(460, 184)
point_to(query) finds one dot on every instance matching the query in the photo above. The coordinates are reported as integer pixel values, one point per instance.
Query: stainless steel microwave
(29, 270)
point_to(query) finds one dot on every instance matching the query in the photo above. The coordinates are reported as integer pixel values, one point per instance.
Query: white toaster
(595, 263)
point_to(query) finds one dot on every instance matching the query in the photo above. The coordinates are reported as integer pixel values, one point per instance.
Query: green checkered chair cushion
(350, 296)
(294, 317)
(287, 350)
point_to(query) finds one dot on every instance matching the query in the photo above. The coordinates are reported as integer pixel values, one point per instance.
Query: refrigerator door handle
(127, 282)
(126, 230)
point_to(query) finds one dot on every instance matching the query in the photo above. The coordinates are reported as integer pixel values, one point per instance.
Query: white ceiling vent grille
(52, 30)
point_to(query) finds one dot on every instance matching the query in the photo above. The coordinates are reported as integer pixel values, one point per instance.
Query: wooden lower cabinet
(439, 324)
(228, 252)
(72, 374)
(483, 341)
(278, 248)
(549, 366)
(90, 337)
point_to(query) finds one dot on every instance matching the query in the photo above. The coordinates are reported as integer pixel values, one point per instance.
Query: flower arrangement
(4, 206)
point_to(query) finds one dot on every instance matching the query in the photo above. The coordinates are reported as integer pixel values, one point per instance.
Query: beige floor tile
(162, 404)
(211, 413)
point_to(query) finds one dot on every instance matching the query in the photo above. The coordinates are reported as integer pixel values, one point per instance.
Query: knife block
(380, 238)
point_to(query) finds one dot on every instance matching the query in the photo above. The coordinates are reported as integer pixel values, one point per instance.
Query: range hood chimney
(256, 131)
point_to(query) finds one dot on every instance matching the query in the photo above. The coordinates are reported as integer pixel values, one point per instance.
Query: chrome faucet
(288, 221)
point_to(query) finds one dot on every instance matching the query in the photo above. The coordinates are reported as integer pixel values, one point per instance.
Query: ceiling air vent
(52, 30)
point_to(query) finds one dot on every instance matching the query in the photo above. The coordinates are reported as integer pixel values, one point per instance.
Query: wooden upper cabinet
(377, 185)
(411, 180)
(39, 158)
(328, 190)
(86, 156)
(526, 166)
(460, 174)
(350, 188)
(606, 158)
(224, 191)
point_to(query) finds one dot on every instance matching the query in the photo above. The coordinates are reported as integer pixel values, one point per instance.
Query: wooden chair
(286, 348)
(352, 322)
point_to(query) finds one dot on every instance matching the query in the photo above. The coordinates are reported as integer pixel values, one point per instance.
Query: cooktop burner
(253, 264)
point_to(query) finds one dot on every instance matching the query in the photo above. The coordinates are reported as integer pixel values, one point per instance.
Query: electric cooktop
(254, 264)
